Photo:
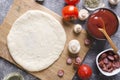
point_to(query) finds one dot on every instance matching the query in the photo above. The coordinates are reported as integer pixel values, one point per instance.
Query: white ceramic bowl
(114, 72)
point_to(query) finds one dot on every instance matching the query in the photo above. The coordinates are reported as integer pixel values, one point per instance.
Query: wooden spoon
(103, 30)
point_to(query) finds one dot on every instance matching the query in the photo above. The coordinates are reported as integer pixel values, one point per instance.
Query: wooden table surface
(98, 46)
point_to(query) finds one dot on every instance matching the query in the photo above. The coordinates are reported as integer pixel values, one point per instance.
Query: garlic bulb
(77, 28)
(83, 14)
(114, 2)
(74, 46)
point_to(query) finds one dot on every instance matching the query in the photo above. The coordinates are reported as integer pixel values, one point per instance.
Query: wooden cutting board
(18, 8)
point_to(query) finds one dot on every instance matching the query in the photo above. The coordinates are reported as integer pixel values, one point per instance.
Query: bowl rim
(114, 72)
(17, 74)
(95, 11)
(92, 9)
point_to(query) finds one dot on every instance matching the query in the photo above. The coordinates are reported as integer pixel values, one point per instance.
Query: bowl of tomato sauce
(110, 21)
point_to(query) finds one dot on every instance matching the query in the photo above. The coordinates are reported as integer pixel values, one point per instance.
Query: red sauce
(109, 20)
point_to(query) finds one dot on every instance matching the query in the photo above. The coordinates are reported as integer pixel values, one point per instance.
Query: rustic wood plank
(18, 8)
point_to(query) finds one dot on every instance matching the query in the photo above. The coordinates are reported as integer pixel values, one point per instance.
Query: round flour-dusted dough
(36, 40)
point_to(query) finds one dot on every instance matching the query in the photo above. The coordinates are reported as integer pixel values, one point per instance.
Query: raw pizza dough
(36, 40)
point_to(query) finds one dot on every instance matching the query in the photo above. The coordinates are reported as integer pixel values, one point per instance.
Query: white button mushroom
(83, 14)
(77, 28)
(114, 2)
(74, 46)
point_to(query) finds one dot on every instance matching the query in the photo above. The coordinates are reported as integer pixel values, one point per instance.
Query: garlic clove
(77, 28)
(83, 14)
(74, 46)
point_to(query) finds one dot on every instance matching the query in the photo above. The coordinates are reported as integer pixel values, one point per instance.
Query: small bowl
(107, 15)
(114, 72)
(92, 8)
(14, 76)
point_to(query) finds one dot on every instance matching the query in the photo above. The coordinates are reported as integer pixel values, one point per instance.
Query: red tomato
(84, 71)
(72, 2)
(70, 12)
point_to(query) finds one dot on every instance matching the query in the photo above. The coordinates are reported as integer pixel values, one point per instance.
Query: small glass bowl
(92, 5)
(14, 76)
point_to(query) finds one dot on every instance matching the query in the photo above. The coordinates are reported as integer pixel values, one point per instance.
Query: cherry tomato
(84, 71)
(72, 2)
(70, 12)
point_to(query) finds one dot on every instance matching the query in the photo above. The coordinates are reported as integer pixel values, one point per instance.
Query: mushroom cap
(74, 46)
(77, 28)
(114, 2)
(83, 14)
